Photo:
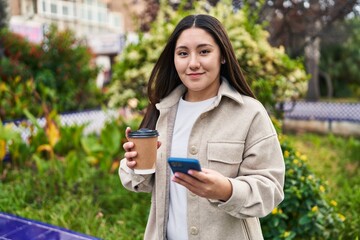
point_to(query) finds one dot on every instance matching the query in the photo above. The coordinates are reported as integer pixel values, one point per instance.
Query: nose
(194, 62)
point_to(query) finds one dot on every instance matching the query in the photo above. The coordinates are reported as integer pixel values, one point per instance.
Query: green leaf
(305, 220)
(111, 138)
(91, 145)
(32, 119)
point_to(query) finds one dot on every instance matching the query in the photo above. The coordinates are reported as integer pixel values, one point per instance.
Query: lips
(195, 75)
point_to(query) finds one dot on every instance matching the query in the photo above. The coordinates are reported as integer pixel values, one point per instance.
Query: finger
(186, 179)
(131, 164)
(207, 170)
(130, 155)
(194, 188)
(127, 131)
(194, 185)
(177, 179)
(199, 175)
(158, 144)
(128, 146)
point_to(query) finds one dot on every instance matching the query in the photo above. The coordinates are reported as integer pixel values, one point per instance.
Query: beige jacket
(236, 137)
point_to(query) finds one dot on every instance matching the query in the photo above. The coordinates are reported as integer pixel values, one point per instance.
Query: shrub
(270, 72)
(304, 213)
(58, 73)
(16, 95)
(54, 142)
(69, 62)
(336, 158)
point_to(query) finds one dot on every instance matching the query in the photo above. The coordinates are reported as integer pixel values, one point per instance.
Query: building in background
(103, 24)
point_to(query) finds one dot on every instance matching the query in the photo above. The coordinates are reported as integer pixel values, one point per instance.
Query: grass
(330, 157)
(95, 203)
(337, 161)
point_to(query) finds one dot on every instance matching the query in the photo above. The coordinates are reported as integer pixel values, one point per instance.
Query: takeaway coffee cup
(145, 144)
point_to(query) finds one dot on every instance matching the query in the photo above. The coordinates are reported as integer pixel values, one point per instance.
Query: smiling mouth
(194, 74)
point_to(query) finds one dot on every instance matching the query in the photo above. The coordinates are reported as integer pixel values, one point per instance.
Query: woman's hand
(207, 183)
(129, 153)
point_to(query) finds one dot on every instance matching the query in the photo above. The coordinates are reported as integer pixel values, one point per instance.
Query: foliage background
(57, 73)
(3, 14)
(342, 61)
(63, 177)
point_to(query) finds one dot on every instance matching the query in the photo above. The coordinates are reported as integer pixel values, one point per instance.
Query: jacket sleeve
(259, 187)
(135, 182)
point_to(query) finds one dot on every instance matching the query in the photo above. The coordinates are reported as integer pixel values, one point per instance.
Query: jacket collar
(225, 90)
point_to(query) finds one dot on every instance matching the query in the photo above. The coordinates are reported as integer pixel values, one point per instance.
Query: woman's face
(197, 61)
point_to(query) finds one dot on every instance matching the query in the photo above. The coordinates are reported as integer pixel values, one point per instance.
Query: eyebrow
(198, 46)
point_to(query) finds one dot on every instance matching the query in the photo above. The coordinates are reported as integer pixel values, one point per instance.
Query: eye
(182, 54)
(204, 51)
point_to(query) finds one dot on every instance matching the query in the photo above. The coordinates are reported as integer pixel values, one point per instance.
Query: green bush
(336, 159)
(57, 72)
(270, 72)
(305, 213)
(68, 144)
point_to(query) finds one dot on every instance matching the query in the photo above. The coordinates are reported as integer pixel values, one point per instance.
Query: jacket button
(194, 230)
(193, 150)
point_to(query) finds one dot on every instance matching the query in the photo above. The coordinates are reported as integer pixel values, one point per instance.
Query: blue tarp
(17, 228)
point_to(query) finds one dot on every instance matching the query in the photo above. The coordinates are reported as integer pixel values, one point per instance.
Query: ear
(223, 61)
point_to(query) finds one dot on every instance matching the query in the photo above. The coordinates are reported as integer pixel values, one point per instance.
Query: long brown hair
(164, 78)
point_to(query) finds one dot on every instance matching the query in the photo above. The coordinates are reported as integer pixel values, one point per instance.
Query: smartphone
(183, 164)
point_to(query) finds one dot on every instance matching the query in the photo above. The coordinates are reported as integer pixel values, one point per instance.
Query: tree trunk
(312, 58)
(35, 6)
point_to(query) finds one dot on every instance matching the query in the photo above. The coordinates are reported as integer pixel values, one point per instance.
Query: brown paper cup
(146, 147)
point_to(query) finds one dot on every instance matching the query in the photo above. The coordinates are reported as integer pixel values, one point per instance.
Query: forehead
(195, 36)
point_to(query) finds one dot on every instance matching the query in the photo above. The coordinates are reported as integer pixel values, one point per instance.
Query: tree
(3, 21)
(3, 13)
(152, 8)
(149, 14)
(300, 25)
(340, 55)
(59, 70)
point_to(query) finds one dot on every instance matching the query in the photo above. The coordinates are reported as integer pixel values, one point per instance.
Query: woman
(203, 108)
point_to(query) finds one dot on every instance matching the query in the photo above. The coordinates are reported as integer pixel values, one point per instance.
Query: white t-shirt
(187, 113)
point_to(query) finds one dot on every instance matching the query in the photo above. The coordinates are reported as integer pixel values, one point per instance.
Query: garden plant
(50, 72)
(62, 176)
